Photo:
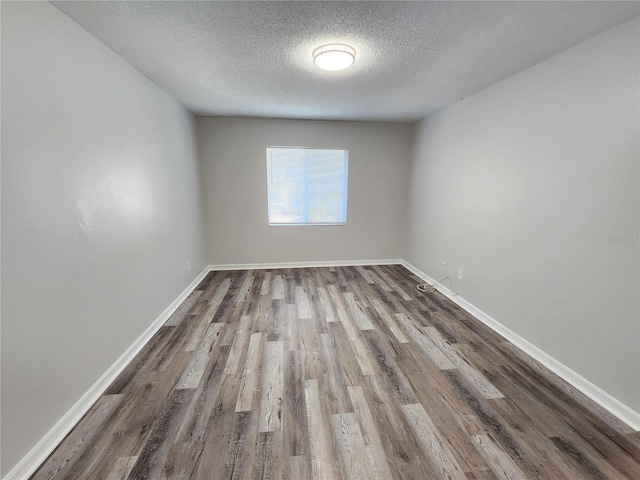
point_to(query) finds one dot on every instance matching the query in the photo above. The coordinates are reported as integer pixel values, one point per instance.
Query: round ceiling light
(334, 56)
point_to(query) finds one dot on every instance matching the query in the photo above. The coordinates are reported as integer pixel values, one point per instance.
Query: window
(307, 186)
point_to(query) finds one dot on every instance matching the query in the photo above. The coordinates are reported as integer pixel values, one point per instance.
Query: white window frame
(345, 187)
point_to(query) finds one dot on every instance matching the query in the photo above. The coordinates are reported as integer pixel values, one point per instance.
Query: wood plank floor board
(354, 456)
(451, 417)
(602, 447)
(253, 445)
(337, 301)
(299, 468)
(337, 373)
(312, 366)
(321, 442)
(235, 455)
(364, 273)
(141, 361)
(328, 309)
(131, 426)
(277, 289)
(181, 460)
(351, 372)
(497, 427)
(308, 335)
(524, 411)
(386, 319)
(377, 279)
(217, 299)
(475, 378)
(481, 475)
(405, 457)
(445, 328)
(239, 346)
(290, 284)
(213, 280)
(72, 461)
(487, 363)
(218, 435)
(395, 304)
(265, 288)
(370, 433)
(251, 373)
(405, 294)
(538, 443)
(587, 463)
(357, 343)
(604, 438)
(576, 401)
(260, 308)
(180, 341)
(337, 395)
(435, 354)
(242, 295)
(121, 468)
(277, 325)
(272, 391)
(315, 305)
(291, 329)
(268, 459)
(388, 371)
(199, 416)
(184, 309)
(501, 464)
(434, 389)
(360, 291)
(201, 357)
(296, 429)
(230, 313)
(160, 441)
(433, 443)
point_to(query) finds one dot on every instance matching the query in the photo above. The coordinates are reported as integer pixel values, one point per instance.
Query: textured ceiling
(254, 58)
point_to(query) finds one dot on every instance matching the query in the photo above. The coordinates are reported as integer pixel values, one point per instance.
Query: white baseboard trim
(595, 393)
(322, 263)
(39, 453)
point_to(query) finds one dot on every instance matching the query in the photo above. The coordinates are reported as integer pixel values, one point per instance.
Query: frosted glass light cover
(335, 56)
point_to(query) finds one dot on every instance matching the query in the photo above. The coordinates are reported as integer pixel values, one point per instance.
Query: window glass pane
(307, 186)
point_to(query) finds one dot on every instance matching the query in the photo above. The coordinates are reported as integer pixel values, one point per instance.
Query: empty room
(320, 240)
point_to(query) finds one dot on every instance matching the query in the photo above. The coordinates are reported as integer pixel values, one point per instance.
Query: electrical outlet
(444, 266)
(189, 266)
(459, 274)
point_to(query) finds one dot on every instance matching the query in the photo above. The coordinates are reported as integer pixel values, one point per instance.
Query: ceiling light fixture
(334, 56)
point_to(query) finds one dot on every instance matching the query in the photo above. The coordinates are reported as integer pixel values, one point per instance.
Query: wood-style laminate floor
(337, 373)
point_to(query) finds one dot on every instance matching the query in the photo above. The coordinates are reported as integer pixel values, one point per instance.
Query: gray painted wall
(531, 187)
(100, 214)
(233, 172)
